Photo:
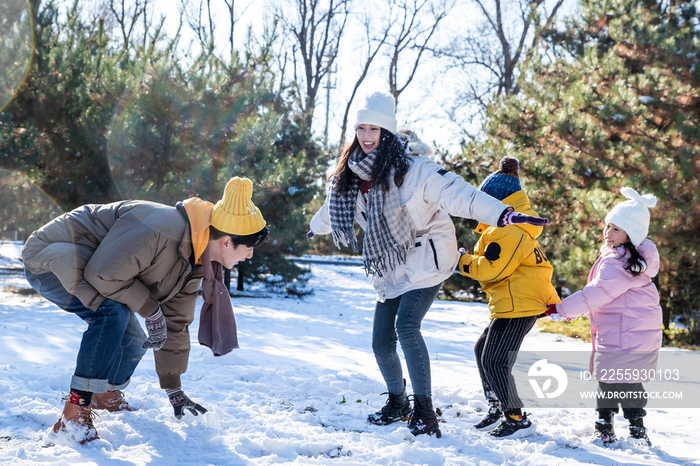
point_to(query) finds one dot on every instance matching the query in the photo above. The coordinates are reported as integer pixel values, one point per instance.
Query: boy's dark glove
(310, 234)
(157, 331)
(509, 217)
(552, 312)
(180, 402)
(551, 309)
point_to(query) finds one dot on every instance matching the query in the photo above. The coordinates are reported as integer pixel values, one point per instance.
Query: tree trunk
(241, 275)
(227, 278)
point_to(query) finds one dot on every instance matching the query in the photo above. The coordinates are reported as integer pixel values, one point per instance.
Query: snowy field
(298, 391)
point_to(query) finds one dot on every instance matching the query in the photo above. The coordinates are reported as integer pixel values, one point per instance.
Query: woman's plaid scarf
(389, 235)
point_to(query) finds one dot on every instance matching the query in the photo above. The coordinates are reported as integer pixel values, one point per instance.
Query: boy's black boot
(397, 408)
(423, 418)
(514, 426)
(492, 419)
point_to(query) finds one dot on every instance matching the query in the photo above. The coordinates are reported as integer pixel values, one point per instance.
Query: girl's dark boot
(638, 433)
(604, 429)
(423, 418)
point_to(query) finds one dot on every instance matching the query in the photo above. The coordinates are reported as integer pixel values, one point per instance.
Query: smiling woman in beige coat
(386, 182)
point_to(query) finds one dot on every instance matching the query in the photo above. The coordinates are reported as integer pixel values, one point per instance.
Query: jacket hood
(521, 203)
(648, 251)
(651, 256)
(414, 146)
(199, 214)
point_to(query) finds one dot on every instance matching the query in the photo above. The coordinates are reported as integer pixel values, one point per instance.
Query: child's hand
(462, 252)
(556, 317)
(552, 312)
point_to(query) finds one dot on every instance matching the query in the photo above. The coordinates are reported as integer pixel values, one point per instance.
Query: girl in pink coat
(626, 320)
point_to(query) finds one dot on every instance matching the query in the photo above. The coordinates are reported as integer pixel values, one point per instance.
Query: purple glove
(509, 217)
(310, 234)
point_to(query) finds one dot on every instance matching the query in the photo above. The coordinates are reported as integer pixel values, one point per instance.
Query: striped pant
(496, 351)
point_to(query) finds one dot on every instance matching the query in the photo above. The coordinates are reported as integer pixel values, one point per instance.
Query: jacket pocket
(608, 326)
(422, 262)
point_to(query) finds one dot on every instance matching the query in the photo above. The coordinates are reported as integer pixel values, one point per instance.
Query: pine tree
(612, 100)
(53, 129)
(98, 122)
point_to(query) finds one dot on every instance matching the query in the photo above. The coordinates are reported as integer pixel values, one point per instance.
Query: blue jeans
(111, 346)
(399, 319)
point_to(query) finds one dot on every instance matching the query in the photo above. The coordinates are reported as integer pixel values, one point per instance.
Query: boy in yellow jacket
(515, 274)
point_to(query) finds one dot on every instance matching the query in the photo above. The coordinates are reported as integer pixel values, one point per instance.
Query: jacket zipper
(432, 246)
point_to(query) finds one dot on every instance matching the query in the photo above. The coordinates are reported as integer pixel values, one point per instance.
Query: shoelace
(86, 413)
(120, 399)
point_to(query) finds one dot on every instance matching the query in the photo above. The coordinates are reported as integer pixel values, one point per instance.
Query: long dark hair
(636, 264)
(391, 152)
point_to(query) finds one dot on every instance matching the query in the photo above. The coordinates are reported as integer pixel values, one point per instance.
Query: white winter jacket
(431, 194)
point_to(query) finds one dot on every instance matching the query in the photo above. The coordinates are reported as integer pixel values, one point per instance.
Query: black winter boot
(492, 419)
(423, 418)
(605, 432)
(514, 426)
(638, 433)
(397, 408)
(604, 429)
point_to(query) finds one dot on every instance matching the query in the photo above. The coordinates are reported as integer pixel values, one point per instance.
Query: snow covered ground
(298, 391)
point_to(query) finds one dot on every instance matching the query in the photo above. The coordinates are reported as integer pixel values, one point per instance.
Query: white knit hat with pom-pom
(377, 109)
(632, 215)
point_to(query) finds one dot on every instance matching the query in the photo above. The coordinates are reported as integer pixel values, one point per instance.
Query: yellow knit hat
(236, 214)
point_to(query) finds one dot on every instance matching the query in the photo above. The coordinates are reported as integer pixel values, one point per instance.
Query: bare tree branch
(410, 36)
(496, 47)
(371, 55)
(203, 28)
(233, 19)
(318, 26)
(126, 19)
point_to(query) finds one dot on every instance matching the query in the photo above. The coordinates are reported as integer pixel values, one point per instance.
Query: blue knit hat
(504, 181)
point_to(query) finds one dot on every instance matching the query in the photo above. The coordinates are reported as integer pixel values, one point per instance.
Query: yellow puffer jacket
(511, 266)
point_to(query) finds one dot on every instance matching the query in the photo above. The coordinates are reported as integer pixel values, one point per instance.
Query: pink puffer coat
(624, 310)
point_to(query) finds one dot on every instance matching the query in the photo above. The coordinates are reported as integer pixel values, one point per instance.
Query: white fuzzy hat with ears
(632, 215)
(377, 109)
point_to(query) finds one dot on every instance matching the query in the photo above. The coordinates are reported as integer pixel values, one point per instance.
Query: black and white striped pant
(501, 337)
